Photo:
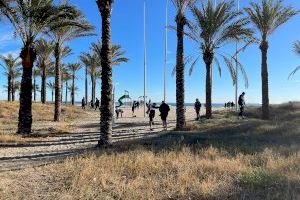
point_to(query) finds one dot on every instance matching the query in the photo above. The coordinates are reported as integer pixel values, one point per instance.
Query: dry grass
(223, 158)
(43, 124)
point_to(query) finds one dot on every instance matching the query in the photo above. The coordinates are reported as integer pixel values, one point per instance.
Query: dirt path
(83, 139)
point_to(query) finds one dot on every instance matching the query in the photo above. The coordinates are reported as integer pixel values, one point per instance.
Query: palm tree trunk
(58, 95)
(43, 88)
(9, 88)
(13, 90)
(34, 88)
(66, 94)
(73, 90)
(86, 84)
(105, 8)
(265, 80)
(93, 89)
(208, 58)
(28, 57)
(180, 113)
(94, 86)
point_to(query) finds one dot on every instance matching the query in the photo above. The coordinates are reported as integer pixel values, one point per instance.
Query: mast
(145, 59)
(166, 52)
(236, 65)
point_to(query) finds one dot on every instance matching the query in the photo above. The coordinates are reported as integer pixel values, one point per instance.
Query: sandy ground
(84, 138)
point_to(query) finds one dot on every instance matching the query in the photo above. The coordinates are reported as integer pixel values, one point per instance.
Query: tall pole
(166, 52)
(145, 59)
(236, 66)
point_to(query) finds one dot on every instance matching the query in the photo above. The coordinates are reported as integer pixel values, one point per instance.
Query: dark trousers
(242, 111)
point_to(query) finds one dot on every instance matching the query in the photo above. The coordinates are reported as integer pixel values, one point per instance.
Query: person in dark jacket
(97, 104)
(164, 111)
(242, 104)
(197, 107)
(83, 103)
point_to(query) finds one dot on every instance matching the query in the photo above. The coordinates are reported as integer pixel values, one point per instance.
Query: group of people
(241, 103)
(229, 105)
(93, 105)
(164, 112)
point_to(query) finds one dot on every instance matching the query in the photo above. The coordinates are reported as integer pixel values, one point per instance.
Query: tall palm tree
(73, 68)
(267, 17)
(87, 60)
(106, 110)
(51, 86)
(11, 66)
(181, 21)
(93, 70)
(30, 18)
(215, 26)
(65, 78)
(75, 26)
(44, 51)
(73, 91)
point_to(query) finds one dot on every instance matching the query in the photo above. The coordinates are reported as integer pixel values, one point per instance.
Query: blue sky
(127, 30)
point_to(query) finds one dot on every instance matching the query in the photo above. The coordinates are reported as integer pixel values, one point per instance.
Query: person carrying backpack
(242, 104)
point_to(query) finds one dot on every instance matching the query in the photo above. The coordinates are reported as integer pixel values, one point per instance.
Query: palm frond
(294, 72)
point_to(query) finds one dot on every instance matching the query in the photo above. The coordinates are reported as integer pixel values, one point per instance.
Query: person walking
(152, 108)
(83, 103)
(97, 104)
(164, 111)
(133, 108)
(242, 105)
(197, 108)
(91, 104)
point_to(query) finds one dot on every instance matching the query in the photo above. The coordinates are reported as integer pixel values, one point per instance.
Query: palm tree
(65, 78)
(74, 26)
(15, 84)
(94, 70)
(30, 19)
(87, 60)
(214, 27)
(297, 51)
(51, 86)
(180, 19)
(105, 8)
(73, 91)
(73, 69)
(11, 66)
(267, 17)
(44, 51)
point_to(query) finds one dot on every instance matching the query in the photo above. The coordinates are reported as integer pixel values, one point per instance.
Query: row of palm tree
(33, 20)
(214, 26)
